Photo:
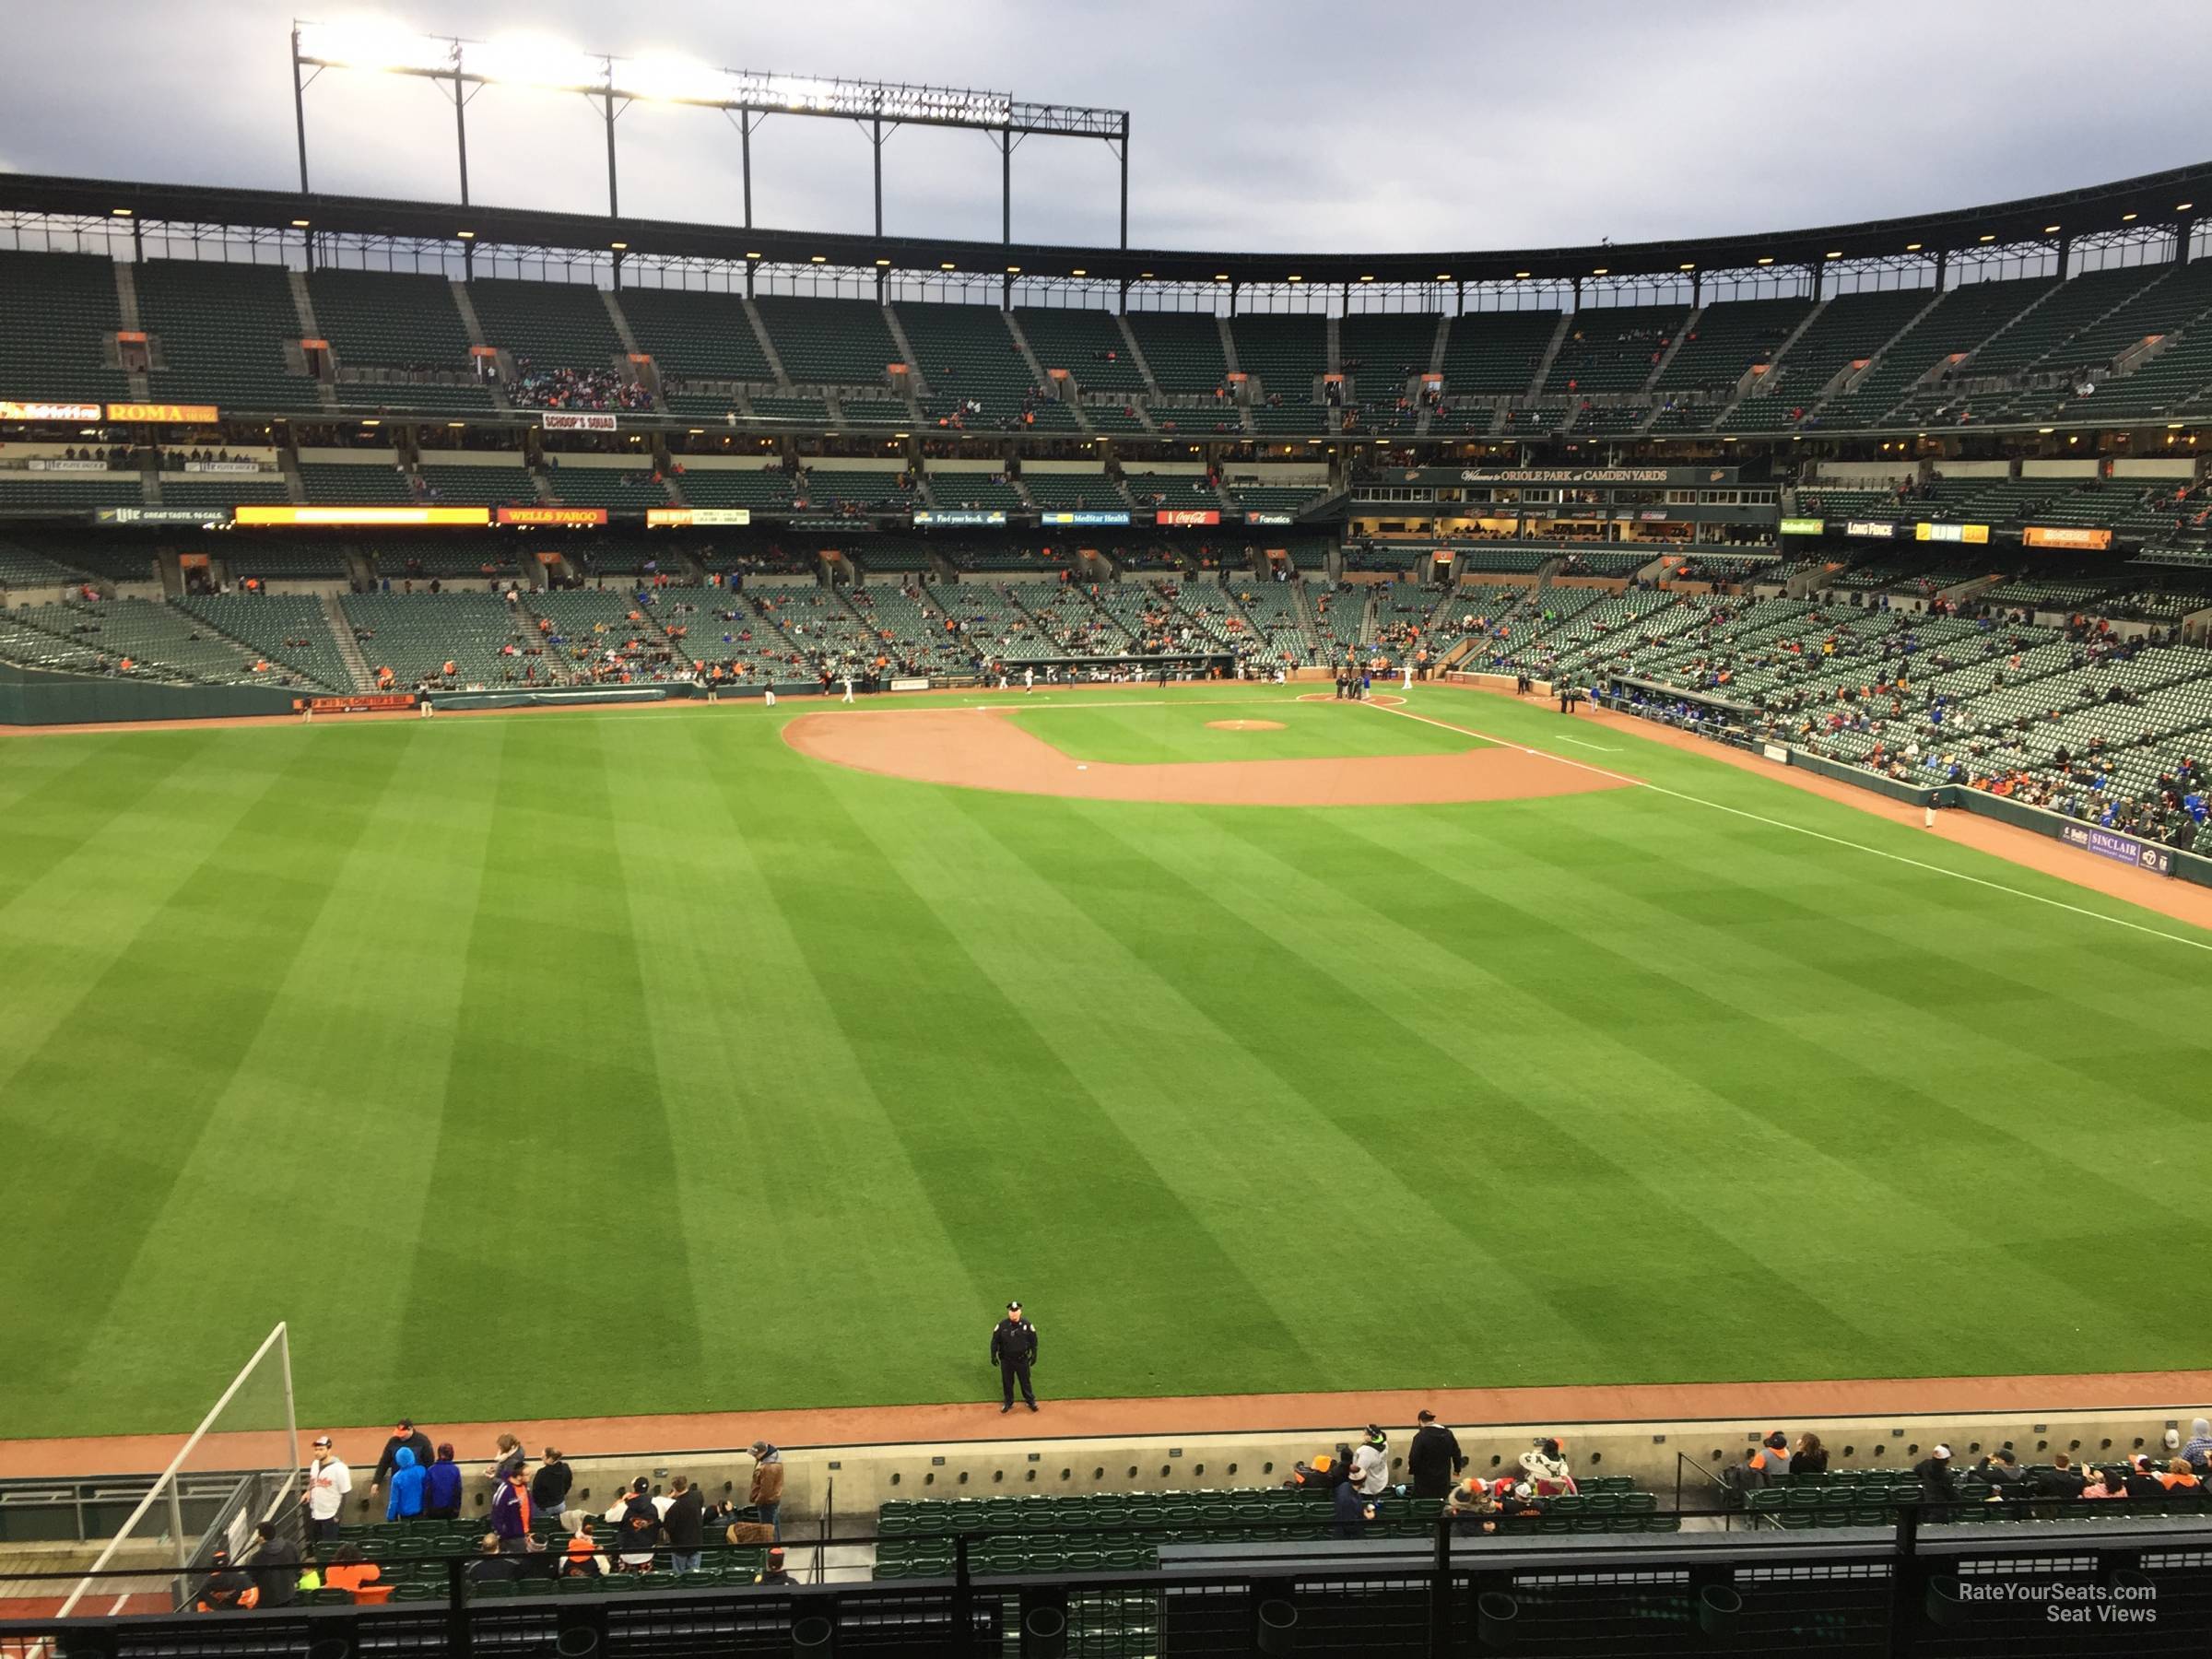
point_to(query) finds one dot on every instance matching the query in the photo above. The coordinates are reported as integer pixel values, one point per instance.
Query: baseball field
(592, 1063)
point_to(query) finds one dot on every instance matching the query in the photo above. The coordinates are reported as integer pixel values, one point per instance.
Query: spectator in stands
(1350, 1511)
(1934, 1473)
(2141, 1480)
(329, 1481)
(2002, 1470)
(494, 1565)
(1545, 1467)
(355, 1573)
(406, 1435)
(550, 1487)
(1370, 1463)
(442, 1492)
(1472, 1507)
(1434, 1459)
(584, 1557)
(2181, 1476)
(276, 1566)
(510, 1508)
(228, 1590)
(767, 1495)
(2062, 1479)
(408, 1483)
(511, 1459)
(684, 1522)
(2106, 1483)
(1810, 1457)
(2198, 1448)
(637, 1520)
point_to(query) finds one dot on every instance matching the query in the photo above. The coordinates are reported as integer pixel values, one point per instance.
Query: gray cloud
(1294, 124)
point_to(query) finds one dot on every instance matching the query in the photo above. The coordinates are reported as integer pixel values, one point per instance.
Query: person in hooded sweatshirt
(410, 1483)
(441, 1495)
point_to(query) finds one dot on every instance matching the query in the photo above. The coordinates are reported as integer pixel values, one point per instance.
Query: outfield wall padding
(2186, 866)
(34, 697)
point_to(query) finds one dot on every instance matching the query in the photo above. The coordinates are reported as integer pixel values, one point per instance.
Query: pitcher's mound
(1245, 725)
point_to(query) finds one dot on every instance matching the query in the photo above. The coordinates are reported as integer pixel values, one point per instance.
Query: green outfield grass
(614, 1062)
(1144, 731)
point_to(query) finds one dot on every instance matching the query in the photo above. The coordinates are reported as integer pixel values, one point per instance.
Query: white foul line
(2157, 933)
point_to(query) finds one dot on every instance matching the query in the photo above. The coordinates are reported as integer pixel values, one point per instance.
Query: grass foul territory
(571, 1063)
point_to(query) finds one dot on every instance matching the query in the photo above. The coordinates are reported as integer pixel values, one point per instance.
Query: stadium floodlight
(535, 61)
(373, 43)
(670, 80)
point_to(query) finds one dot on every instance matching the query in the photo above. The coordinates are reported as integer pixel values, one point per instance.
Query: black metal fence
(2055, 1578)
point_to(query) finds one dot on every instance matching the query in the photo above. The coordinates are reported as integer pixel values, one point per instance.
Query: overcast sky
(1288, 125)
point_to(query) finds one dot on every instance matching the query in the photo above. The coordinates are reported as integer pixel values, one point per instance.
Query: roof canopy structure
(2174, 198)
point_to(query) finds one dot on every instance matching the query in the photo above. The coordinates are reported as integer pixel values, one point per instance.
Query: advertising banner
(1084, 518)
(11, 410)
(53, 463)
(1869, 528)
(574, 420)
(1267, 518)
(369, 703)
(1803, 526)
(161, 515)
(2124, 849)
(963, 516)
(477, 516)
(167, 414)
(2066, 535)
(663, 517)
(1187, 516)
(552, 515)
(1951, 533)
(223, 466)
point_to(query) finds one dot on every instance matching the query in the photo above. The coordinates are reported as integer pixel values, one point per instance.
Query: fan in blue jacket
(408, 1480)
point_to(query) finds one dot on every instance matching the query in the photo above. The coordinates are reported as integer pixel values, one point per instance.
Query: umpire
(1013, 1351)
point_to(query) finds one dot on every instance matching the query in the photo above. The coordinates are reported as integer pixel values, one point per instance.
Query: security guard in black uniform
(1013, 1351)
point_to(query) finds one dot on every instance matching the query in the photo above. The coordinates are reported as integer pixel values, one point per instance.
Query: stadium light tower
(745, 97)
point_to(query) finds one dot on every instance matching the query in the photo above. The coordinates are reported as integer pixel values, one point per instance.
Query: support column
(744, 157)
(461, 132)
(614, 206)
(299, 119)
(1005, 185)
(1124, 180)
(876, 147)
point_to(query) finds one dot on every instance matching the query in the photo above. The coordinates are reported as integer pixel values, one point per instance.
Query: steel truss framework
(462, 68)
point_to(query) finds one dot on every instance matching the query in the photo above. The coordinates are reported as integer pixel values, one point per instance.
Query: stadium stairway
(350, 648)
(1021, 343)
(310, 329)
(1759, 383)
(1878, 359)
(917, 383)
(471, 321)
(1137, 355)
(630, 343)
(767, 345)
(1551, 354)
(1688, 327)
(126, 307)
